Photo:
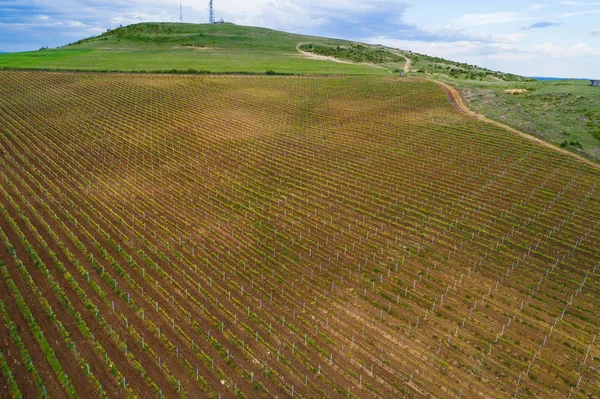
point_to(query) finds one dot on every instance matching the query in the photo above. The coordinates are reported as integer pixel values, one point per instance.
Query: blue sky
(556, 38)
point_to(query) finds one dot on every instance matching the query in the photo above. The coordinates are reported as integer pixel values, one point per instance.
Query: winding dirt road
(459, 103)
(314, 56)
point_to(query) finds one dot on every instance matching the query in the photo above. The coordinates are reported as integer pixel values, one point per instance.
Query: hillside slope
(226, 236)
(229, 48)
(560, 113)
(219, 48)
(565, 113)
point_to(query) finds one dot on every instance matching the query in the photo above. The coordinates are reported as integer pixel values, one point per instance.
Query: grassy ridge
(221, 48)
(564, 113)
(357, 53)
(425, 65)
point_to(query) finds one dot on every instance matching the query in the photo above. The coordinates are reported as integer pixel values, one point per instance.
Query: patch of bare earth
(516, 91)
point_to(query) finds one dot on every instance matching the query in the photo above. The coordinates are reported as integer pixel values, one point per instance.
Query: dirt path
(459, 103)
(456, 99)
(313, 56)
(407, 65)
(407, 62)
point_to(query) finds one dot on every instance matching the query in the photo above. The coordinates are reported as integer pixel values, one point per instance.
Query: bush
(571, 143)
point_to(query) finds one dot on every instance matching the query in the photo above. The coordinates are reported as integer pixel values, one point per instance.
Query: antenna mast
(180, 13)
(211, 12)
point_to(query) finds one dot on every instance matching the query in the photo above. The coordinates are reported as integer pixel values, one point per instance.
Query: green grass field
(564, 113)
(221, 48)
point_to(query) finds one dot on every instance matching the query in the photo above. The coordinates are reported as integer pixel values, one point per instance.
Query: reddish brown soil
(328, 235)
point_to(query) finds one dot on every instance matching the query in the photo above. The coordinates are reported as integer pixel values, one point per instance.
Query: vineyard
(226, 236)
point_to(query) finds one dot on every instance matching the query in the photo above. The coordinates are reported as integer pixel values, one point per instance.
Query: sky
(554, 38)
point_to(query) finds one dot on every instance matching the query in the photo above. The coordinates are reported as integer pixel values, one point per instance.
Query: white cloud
(75, 24)
(576, 50)
(580, 13)
(439, 49)
(580, 3)
(537, 7)
(461, 50)
(582, 49)
(491, 18)
(509, 38)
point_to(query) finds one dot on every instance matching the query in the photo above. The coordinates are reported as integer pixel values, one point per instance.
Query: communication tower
(211, 13)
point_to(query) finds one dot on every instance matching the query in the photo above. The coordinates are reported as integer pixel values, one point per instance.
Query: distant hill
(442, 68)
(545, 78)
(229, 48)
(162, 47)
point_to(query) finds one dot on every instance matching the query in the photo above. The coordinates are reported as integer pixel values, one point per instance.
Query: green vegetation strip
(14, 391)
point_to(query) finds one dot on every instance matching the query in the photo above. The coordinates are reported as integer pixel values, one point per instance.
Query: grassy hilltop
(220, 48)
(229, 48)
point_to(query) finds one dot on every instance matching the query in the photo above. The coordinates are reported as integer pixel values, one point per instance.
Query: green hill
(219, 48)
(229, 48)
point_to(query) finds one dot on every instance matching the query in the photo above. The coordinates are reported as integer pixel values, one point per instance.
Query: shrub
(571, 143)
